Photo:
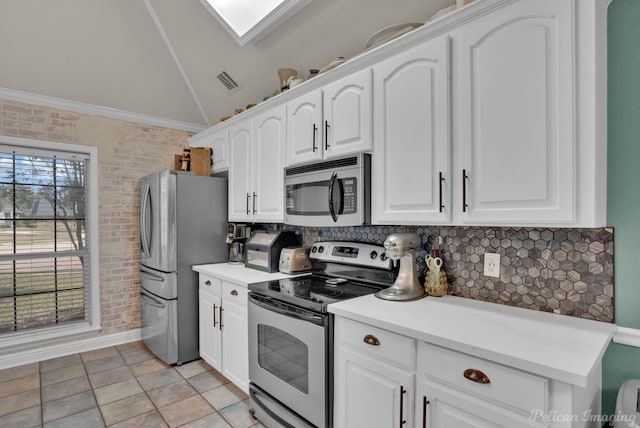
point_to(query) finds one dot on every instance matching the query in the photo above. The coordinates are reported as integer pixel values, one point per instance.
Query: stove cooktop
(314, 292)
(341, 270)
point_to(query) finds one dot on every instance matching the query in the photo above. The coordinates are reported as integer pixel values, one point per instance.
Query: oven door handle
(285, 309)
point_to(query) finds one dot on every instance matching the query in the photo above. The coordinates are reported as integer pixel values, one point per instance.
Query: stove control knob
(373, 255)
(320, 249)
(383, 257)
(314, 249)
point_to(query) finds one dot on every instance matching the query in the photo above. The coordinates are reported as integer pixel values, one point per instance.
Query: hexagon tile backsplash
(565, 271)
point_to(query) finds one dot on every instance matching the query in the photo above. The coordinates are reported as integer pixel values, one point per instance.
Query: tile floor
(120, 386)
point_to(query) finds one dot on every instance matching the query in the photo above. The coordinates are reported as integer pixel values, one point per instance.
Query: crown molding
(108, 112)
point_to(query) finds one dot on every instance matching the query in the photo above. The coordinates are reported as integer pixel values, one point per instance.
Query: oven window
(284, 356)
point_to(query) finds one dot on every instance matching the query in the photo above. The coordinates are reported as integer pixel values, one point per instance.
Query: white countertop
(238, 274)
(555, 346)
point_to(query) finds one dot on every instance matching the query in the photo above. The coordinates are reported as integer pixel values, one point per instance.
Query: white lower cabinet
(223, 328)
(372, 393)
(384, 379)
(373, 386)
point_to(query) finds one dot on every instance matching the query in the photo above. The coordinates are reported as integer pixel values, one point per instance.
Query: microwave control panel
(350, 195)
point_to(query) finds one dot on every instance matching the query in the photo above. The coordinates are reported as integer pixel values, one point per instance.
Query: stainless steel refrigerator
(183, 222)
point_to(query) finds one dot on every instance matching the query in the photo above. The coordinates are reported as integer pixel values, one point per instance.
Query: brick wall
(126, 152)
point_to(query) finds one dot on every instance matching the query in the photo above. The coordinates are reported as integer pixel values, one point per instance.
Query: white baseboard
(111, 113)
(68, 348)
(627, 336)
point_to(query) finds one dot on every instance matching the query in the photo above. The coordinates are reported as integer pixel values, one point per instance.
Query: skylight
(248, 21)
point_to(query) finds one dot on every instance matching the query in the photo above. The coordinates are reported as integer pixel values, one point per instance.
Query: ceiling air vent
(225, 78)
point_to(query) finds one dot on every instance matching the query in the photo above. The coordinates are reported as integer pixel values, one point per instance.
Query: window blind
(44, 257)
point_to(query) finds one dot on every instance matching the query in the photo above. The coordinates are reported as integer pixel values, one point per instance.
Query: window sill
(45, 336)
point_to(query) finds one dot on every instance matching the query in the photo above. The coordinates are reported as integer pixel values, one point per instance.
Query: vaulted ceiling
(161, 57)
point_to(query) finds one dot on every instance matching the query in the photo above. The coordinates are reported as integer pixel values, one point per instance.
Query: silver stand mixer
(401, 248)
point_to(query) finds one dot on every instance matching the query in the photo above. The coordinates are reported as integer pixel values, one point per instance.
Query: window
(48, 234)
(248, 21)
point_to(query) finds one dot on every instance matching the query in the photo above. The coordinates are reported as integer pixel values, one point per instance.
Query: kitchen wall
(623, 362)
(126, 151)
(565, 271)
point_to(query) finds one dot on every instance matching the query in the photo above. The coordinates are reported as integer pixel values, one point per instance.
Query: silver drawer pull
(371, 340)
(476, 375)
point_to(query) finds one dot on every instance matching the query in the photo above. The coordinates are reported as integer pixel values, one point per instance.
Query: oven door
(288, 356)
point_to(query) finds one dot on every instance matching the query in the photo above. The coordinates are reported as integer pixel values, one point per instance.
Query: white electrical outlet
(492, 264)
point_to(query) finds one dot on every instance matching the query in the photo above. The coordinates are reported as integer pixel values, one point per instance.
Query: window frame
(264, 26)
(92, 323)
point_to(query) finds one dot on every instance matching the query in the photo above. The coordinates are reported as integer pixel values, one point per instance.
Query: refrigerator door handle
(152, 300)
(149, 275)
(144, 239)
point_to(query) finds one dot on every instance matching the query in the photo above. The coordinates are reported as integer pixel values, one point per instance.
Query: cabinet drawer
(508, 386)
(397, 349)
(234, 293)
(210, 284)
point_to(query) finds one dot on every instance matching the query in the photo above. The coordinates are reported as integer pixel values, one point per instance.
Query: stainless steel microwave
(331, 193)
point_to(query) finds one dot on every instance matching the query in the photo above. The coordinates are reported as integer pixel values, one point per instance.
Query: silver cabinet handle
(465, 177)
(402, 392)
(440, 183)
(326, 134)
(315, 131)
(248, 197)
(425, 403)
(254, 202)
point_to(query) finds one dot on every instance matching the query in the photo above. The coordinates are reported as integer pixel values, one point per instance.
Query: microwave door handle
(341, 193)
(332, 210)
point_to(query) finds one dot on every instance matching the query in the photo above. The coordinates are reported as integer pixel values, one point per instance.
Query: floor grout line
(223, 382)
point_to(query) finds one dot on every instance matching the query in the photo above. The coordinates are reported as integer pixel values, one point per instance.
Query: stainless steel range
(291, 332)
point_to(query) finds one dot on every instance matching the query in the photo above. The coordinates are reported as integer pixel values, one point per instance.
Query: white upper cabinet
(330, 122)
(494, 115)
(256, 174)
(412, 144)
(516, 153)
(268, 165)
(304, 128)
(219, 143)
(240, 173)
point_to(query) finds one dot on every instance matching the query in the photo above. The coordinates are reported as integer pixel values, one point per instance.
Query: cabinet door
(441, 407)
(240, 172)
(369, 393)
(347, 115)
(218, 142)
(235, 342)
(304, 128)
(267, 195)
(209, 329)
(411, 158)
(516, 115)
